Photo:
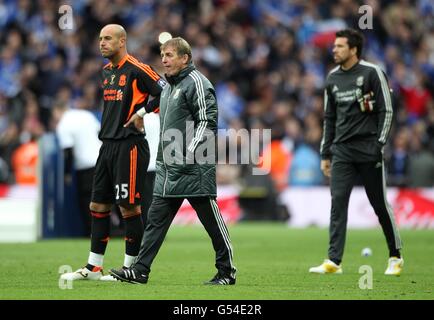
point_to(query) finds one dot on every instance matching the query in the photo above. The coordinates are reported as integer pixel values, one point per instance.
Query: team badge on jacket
(122, 80)
(176, 95)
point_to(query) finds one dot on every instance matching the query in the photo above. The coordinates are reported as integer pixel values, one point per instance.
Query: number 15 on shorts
(121, 191)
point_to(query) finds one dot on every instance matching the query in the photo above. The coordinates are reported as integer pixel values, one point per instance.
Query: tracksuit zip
(161, 140)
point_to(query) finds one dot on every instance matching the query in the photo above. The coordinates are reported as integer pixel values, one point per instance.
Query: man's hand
(137, 121)
(326, 167)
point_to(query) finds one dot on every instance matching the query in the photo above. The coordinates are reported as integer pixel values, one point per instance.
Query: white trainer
(394, 266)
(108, 277)
(327, 267)
(82, 274)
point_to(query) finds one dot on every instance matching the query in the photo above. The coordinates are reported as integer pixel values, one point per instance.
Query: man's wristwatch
(141, 112)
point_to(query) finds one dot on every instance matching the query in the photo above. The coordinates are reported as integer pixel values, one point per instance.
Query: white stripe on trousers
(390, 211)
(223, 230)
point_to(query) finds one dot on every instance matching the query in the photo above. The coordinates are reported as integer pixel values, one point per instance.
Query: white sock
(128, 260)
(95, 259)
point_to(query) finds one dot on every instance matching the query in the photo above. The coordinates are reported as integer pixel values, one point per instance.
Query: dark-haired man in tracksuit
(357, 120)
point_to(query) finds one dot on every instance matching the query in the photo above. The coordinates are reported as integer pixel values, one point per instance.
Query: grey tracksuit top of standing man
(358, 113)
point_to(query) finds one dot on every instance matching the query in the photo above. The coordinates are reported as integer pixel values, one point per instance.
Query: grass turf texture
(272, 262)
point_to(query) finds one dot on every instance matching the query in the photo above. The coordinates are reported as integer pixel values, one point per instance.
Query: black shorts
(120, 172)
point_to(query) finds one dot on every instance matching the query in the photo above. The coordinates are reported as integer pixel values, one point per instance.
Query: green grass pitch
(272, 262)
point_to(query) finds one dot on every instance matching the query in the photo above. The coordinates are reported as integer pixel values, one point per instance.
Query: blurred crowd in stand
(267, 60)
